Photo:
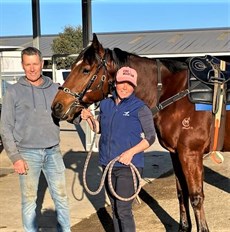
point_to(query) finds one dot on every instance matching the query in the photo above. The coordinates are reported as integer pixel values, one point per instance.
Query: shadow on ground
(159, 210)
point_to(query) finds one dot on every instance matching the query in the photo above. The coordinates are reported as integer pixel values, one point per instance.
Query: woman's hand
(85, 114)
(93, 122)
(126, 157)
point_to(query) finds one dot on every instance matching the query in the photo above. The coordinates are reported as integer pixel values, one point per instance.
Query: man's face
(32, 66)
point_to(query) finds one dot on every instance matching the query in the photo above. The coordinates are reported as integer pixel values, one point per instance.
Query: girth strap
(219, 118)
(169, 101)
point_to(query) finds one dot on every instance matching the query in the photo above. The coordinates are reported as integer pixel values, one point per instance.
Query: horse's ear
(95, 39)
(97, 46)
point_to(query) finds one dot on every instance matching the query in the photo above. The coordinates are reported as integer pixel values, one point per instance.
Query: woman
(127, 129)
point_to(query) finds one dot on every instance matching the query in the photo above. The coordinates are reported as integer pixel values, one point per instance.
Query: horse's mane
(87, 53)
(121, 58)
(174, 65)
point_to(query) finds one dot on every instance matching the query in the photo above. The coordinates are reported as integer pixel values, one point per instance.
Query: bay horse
(183, 131)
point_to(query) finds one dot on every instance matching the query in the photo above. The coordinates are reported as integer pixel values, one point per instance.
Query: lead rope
(108, 169)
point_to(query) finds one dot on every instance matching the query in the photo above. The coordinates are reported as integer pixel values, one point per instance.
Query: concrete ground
(159, 209)
(82, 205)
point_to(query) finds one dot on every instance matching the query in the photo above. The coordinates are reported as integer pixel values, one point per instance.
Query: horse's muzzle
(57, 110)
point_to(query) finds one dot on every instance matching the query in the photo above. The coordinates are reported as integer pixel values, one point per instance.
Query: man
(31, 139)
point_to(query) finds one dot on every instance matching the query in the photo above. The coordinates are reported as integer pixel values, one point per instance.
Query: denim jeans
(51, 163)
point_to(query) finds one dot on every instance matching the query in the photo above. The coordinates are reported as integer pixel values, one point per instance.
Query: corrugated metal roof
(174, 43)
(171, 43)
(25, 41)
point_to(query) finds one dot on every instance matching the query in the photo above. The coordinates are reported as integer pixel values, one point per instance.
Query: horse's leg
(192, 166)
(182, 194)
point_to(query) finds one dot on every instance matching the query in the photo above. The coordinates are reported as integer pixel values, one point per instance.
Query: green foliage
(68, 42)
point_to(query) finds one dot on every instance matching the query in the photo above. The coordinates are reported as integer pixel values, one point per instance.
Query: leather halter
(79, 96)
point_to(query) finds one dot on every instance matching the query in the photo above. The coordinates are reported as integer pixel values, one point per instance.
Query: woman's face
(124, 89)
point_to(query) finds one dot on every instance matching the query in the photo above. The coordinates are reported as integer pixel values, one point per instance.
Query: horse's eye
(85, 71)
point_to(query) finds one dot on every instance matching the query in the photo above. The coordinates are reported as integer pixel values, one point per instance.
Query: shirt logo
(126, 114)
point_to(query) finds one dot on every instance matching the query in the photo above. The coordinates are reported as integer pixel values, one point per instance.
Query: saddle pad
(206, 107)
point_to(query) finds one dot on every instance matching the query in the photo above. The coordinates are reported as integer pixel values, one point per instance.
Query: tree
(69, 42)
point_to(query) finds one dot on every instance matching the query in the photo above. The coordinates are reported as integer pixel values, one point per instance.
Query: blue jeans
(51, 163)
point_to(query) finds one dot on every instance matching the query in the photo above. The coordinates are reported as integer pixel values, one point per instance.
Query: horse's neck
(147, 82)
(156, 81)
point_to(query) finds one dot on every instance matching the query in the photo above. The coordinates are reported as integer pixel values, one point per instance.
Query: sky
(114, 15)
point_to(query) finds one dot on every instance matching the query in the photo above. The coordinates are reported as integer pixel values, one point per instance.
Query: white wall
(11, 61)
(10, 69)
(59, 76)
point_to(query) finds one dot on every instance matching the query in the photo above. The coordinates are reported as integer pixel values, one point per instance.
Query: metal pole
(1, 61)
(36, 23)
(86, 22)
(87, 36)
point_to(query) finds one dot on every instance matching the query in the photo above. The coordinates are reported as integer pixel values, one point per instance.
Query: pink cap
(127, 74)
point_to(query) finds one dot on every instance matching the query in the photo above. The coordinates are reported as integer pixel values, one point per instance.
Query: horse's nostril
(57, 108)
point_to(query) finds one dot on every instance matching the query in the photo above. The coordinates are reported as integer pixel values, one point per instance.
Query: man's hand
(21, 167)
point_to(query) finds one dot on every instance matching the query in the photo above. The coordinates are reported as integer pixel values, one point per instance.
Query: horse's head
(89, 81)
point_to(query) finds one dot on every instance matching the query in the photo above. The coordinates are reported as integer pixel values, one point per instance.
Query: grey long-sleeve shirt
(146, 118)
(26, 117)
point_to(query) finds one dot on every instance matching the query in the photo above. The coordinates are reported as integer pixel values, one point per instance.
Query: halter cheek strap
(79, 96)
